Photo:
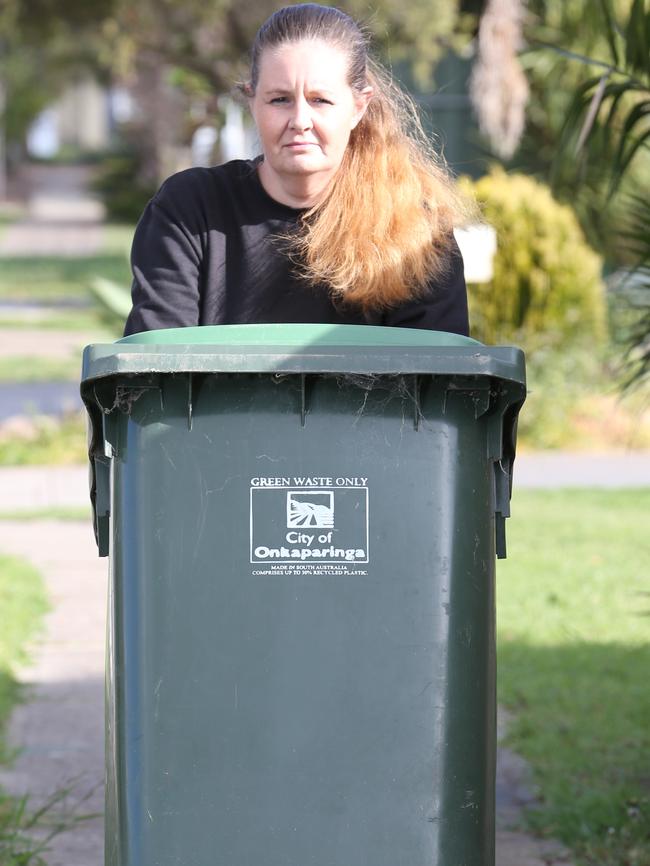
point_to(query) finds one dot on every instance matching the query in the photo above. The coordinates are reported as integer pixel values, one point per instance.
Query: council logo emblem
(310, 509)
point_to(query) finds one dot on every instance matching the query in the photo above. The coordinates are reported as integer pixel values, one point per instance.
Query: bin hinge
(418, 388)
(303, 399)
(195, 382)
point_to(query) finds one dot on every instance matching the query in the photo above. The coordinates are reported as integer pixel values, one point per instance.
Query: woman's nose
(301, 115)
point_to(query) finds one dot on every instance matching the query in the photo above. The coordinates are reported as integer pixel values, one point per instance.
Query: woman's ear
(362, 99)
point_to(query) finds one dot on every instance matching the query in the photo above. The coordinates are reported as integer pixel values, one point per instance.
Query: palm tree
(610, 114)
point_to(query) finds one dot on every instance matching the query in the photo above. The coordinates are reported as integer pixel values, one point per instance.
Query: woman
(346, 217)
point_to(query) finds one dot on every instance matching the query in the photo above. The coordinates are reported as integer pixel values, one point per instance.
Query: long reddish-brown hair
(384, 228)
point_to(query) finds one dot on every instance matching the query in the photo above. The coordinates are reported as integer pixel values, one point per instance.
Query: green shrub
(557, 381)
(116, 182)
(547, 285)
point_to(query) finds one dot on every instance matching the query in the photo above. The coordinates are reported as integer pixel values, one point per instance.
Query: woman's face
(304, 110)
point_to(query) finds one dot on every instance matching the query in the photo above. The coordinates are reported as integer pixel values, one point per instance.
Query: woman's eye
(322, 101)
(278, 100)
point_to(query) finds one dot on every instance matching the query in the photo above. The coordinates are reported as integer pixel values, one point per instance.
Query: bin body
(301, 659)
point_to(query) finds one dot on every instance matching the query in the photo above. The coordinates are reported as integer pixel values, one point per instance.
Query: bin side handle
(502, 443)
(100, 498)
(99, 455)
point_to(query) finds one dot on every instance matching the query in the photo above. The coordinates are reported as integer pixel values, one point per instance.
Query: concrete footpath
(59, 730)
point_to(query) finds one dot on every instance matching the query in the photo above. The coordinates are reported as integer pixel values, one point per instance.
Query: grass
(34, 369)
(47, 441)
(118, 238)
(22, 603)
(9, 214)
(88, 322)
(573, 630)
(51, 279)
(55, 279)
(55, 513)
(24, 834)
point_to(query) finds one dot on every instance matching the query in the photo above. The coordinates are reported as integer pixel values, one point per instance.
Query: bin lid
(300, 348)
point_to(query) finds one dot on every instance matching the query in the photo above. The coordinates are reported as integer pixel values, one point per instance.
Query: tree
(212, 39)
(179, 56)
(609, 116)
(43, 45)
(202, 48)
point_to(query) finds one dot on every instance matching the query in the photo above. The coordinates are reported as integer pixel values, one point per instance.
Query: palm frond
(592, 111)
(630, 143)
(610, 30)
(637, 38)
(575, 55)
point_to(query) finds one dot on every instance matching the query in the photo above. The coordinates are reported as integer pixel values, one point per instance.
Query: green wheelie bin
(302, 523)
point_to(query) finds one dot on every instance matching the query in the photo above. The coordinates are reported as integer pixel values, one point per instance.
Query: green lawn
(52, 281)
(48, 279)
(31, 369)
(22, 605)
(54, 513)
(574, 665)
(87, 321)
(47, 442)
(9, 215)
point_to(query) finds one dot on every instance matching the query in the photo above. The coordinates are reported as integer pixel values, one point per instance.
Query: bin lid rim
(298, 335)
(358, 349)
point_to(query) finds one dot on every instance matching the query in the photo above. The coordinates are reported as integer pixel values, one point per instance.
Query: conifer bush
(547, 287)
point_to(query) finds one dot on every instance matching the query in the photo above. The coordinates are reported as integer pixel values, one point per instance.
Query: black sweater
(206, 252)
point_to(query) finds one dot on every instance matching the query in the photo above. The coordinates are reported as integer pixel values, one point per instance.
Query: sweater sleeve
(166, 264)
(443, 307)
